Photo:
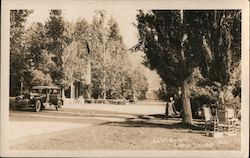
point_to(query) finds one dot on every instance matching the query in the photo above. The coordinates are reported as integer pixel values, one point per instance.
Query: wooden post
(21, 90)
(72, 91)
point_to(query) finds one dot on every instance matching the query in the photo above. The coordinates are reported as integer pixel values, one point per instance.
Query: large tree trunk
(89, 91)
(229, 51)
(187, 117)
(187, 112)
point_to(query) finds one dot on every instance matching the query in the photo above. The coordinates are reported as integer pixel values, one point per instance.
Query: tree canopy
(178, 41)
(18, 52)
(60, 52)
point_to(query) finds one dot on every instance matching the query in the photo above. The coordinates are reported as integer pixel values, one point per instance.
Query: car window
(55, 91)
(37, 90)
(50, 91)
(44, 91)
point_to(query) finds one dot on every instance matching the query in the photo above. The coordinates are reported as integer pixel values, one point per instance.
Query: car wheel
(59, 104)
(43, 107)
(38, 105)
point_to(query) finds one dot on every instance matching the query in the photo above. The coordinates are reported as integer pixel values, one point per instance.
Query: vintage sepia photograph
(123, 78)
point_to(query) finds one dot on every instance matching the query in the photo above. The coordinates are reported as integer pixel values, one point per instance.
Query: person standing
(170, 108)
(221, 99)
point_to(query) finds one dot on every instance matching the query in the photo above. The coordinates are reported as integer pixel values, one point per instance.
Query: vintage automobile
(40, 98)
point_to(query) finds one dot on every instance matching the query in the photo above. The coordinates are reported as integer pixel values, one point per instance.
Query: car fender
(35, 99)
(61, 100)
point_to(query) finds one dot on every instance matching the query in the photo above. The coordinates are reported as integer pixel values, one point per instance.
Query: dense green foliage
(177, 42)
(61, 52)
(18, 52)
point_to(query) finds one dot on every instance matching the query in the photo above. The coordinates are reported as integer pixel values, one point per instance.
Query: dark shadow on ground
(158, 121)
(162, 116)
(24, 110)
(158, 116)
(30, 109)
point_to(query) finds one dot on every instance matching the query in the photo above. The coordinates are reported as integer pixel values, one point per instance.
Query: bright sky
(125, 19)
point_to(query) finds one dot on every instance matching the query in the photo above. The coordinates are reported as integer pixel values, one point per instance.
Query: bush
(12, 105)
(203, 91)
(231, 100)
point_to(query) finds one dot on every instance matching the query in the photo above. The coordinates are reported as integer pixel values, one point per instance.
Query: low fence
(95, 101)
(106, 101)
(12, 105)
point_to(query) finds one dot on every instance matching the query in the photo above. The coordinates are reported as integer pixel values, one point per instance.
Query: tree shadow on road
(159, 122)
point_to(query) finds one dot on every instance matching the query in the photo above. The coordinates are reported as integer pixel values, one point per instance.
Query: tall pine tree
(56, 43)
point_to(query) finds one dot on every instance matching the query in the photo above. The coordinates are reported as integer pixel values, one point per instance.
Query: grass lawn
(133, 134)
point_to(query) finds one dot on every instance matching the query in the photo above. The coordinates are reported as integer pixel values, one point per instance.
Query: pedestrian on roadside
(170, 108)
(221, 99)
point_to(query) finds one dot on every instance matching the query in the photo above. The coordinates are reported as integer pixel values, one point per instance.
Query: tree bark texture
(187, 117)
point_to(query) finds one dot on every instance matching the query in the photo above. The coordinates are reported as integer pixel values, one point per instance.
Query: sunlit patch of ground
(133, 134)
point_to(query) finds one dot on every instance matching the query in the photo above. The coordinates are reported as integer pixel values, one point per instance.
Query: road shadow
(53, 112)
(30, 109)
(159, 121)
(23, 110)
(144, 124)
